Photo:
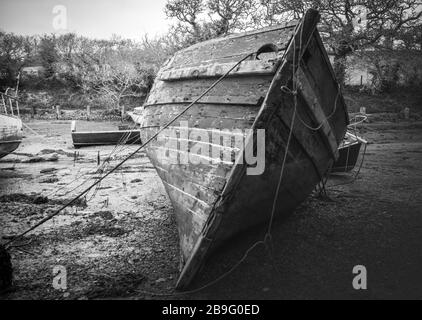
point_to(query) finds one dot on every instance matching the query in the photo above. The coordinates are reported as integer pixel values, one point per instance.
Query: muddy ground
(122, 243)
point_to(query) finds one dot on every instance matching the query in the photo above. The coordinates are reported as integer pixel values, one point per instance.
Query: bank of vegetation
(382, 38)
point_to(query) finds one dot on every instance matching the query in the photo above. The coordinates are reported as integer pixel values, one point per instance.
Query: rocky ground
(121, 241)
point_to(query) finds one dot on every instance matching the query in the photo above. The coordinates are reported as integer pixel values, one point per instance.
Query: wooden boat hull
(10, 134)
(214, 202)
(101, 138)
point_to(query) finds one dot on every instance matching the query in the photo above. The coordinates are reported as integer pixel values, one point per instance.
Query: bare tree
(187, 13)
(200, 20)
(230, 14)
(14, 51)
(348, 25)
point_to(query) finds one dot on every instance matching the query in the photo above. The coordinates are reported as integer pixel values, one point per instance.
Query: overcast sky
(92, 18)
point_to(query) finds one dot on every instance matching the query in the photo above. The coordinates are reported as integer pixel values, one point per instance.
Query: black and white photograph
(210, 155)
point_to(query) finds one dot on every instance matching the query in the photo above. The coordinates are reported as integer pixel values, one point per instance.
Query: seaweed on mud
(23, 198)
(59, 151)
(103, 230)
(38, 200)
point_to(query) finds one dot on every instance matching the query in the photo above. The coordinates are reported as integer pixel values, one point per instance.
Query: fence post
(4, 103)
(33, 111)
(11, 107)
(407, 113)
(123, 113)
(17, 108)
(88, 112)
(58, 112)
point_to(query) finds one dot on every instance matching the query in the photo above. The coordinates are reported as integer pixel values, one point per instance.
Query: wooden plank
(320, 74)
(231, 47)
(203, 116)
(355, 137)
(100, 138)
(311, 98)
(242, 91)
(246, 68)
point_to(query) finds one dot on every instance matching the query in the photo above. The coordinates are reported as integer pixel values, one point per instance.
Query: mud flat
(121, 241)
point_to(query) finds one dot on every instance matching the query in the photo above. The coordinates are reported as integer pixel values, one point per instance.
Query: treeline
(117, 69)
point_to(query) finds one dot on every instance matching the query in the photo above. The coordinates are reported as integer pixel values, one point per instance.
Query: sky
(92, 18)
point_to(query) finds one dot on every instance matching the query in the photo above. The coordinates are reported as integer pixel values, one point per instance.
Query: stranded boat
(102, 138)
(10, 125)
(348, 153)
(282, 83)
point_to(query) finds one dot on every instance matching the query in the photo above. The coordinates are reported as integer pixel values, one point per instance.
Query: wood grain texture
(101, 138)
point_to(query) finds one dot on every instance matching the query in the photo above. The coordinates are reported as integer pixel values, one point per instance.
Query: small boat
(102, 138)
(11, 133)
(348, 153)
(278, 80)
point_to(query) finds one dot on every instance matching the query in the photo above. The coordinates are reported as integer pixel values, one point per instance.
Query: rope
(131, 155)
(326, 118)
(355, 124)
(102, 167)
(32, 130)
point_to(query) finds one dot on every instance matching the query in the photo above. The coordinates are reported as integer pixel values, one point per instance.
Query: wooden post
(11, 107)
(88, 112)
(123, 113)
(4, 104)
(73, 126)
(16, 94)
(407, 113)
(58, 112)
(17, 108)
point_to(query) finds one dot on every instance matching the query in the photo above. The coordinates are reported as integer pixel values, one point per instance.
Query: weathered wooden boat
(349, 152)
(214, 202)
(103, 138)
